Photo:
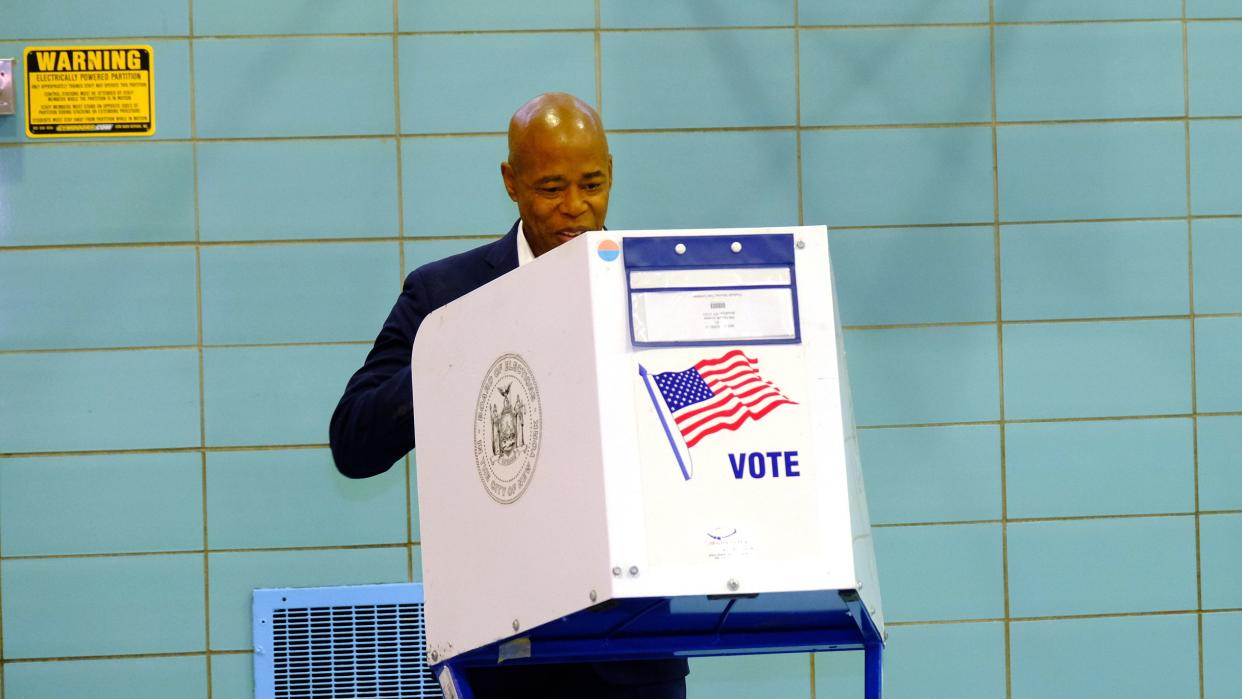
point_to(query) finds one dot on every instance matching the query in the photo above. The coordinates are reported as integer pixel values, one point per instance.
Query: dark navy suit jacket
(373, 425)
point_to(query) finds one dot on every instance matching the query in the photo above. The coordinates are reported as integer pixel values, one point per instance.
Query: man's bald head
(559, 170)
(558, 115)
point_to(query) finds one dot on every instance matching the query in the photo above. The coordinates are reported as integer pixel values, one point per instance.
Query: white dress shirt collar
(523, 246)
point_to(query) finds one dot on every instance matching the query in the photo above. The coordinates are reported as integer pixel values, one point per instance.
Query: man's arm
(373, 425)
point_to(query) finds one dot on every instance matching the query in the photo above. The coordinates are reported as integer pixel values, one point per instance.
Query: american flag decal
(718, 394)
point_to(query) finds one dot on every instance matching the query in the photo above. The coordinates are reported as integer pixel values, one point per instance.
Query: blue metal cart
(668, 627)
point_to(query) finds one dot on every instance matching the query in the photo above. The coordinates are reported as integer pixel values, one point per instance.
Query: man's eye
(592, 186)
(549, 190)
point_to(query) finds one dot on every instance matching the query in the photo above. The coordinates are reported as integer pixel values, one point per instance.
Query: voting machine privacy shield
(642, 445)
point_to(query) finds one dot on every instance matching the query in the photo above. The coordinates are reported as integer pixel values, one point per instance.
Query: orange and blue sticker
(608, 250)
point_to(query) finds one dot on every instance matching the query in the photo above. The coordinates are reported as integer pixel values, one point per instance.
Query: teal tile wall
(436, 170)
(1222, 568)
(1218, 364)
(897, 176)
(1076, 567)
(434, 67)
(89, 18)
(1092, 171)
(1214, 66)
(1037, 249)
(237, 17)
(88, 401)
(638, 14)
(930, 275)
(481, 15)
(911, 76)
(1216, 181)
(1137, 367)
(1088, 71)
(1071, 469)
(295, 498)
(1222, 636)
(917, 664)
(1052, 10)
(918, 376)
(88, 504)
(239, 411)
(260, 294)
(1220, 462)
(272, 190)
(35, 183)
(921, 667)
(68, 298)
(754, 178)
(65, 607)
(294, 86)
(136, 678)
(1218, 259)
(232, 675)
(1097, 270)
(833, 12)
(1220, 9)
(741, 78)
(941, 572)
(1109, 657)
(957, 478)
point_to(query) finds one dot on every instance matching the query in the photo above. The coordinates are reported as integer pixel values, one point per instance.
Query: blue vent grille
(350, 652)
(307, 647)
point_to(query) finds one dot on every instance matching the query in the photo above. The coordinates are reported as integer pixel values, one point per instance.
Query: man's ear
(507, 174)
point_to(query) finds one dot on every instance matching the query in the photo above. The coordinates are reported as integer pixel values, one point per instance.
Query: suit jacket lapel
(502, 255)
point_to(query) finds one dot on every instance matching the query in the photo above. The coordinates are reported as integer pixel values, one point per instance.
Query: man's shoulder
(452, 276)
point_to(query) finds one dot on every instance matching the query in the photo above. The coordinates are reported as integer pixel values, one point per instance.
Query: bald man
(559, 173)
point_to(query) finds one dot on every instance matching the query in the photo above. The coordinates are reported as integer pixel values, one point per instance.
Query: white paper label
(715, 314)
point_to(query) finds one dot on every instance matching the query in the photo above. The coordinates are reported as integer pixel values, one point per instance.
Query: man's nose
(574, 204)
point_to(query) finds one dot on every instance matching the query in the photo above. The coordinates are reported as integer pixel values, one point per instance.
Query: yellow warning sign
(89, 91)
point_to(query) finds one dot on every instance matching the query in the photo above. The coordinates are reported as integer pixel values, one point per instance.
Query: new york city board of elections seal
(508, 426)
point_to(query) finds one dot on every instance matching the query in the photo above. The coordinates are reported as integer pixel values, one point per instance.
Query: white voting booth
(641, 445)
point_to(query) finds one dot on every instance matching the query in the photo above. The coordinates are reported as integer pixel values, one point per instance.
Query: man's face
(560, 181)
